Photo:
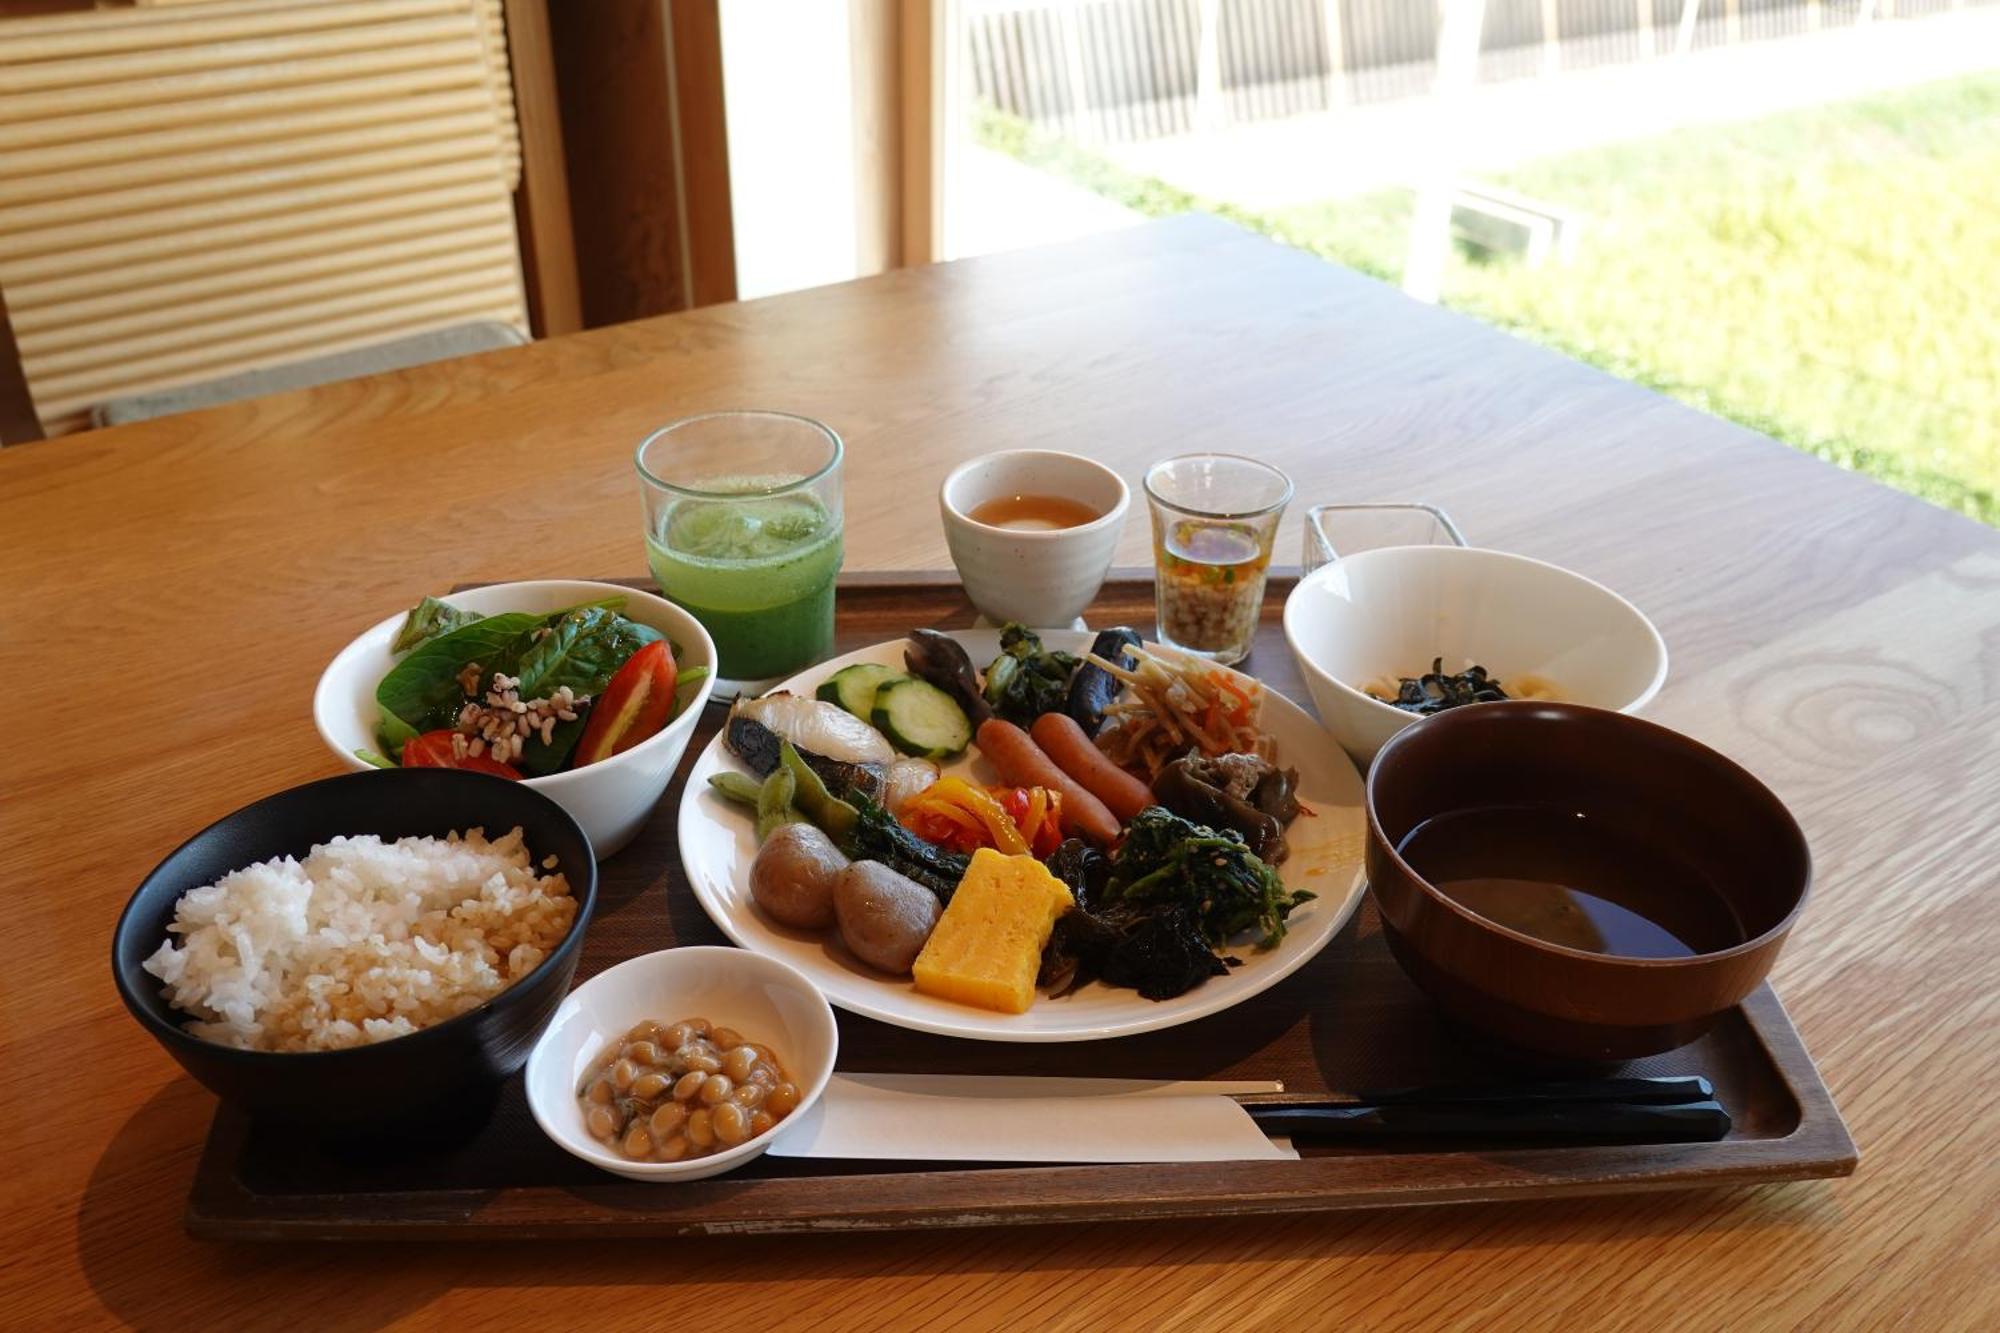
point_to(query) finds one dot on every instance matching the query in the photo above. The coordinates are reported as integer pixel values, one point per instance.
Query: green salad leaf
(583, 649)
(538, 759)
(579, 646)
(427, 620)
(423, 690)
(393, 734)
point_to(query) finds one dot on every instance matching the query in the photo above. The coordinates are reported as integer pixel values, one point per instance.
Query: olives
(667, 1092)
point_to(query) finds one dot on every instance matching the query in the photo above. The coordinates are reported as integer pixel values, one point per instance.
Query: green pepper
(835, 816)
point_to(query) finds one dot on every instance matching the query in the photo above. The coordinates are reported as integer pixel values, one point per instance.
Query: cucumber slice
(921, 719)
(853, 687)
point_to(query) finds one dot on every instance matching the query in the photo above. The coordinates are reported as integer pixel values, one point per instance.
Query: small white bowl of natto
(612, 798)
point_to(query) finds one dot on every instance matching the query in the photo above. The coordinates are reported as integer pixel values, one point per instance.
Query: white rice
(360, 942)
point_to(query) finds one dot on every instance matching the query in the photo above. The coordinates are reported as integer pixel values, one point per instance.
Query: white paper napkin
(982, 1118)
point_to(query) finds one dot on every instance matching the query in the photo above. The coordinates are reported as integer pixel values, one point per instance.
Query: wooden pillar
(875, 41)
(18, 420)
(541, 205)
(640, 88)
(928, 97)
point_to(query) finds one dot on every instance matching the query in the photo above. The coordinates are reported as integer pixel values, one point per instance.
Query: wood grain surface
(171, 590)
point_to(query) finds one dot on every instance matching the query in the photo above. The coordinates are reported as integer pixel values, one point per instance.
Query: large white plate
(718, 843)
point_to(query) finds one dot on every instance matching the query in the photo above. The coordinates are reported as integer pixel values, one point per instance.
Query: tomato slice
(433, 750)
(635, 705)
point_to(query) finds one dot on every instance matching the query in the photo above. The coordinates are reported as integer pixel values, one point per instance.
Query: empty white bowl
(769, 1002)
(1385, 613)
(610, 798)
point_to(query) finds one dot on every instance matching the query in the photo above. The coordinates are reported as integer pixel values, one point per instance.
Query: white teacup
(1041, 577)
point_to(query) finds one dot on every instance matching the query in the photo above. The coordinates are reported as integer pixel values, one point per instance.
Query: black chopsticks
(1601, 1110)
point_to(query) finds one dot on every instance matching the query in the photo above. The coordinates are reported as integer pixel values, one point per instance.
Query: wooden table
(172, 589)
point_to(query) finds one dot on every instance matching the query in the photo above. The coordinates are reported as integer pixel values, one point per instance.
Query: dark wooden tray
(1348, 1020)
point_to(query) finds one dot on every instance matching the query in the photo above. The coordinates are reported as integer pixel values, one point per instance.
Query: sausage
(1064, 741)
(1022, 763)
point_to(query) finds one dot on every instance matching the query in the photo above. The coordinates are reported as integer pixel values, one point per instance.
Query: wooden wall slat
(171, 175)
(62, 396)
(119, 31)
(459, 53)
(128, 66)
(189, 199)
(204, 189)
(287, 225)
(105, 20)
(54, 129)
(275, 132)
(235, 317)
(198, 300)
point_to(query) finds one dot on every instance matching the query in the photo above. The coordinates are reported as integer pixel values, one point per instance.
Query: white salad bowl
(611, 798)
(769, 1002)
(1387, 612)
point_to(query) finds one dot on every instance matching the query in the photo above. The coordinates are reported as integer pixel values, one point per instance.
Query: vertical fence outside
(1121, 70)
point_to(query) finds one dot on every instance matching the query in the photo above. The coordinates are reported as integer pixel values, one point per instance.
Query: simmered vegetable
(774, 803)
(877, 836)
(885, 917)
(1026, 679)
(1211, 872)
(942, 660)
(1092, 688)
(810, 794)
(954, 813)
(859, 826)
(1164, 956)
(1231, 792)
(908, 778)
(738, 787)
(793, 876)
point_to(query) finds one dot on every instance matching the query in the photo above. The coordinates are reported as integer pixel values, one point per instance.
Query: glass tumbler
(1336, 530)
(743, 531)
(1214, 518)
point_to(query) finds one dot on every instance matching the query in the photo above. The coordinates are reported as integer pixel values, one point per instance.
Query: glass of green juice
(743, 531)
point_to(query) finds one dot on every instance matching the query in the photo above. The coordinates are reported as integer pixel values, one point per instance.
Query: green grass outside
(1829, 277)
